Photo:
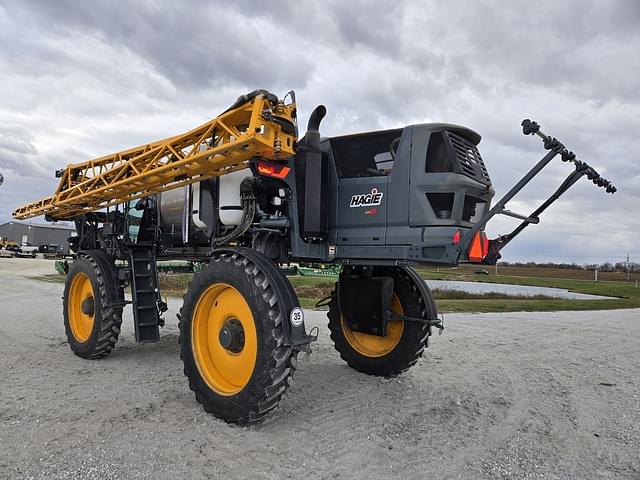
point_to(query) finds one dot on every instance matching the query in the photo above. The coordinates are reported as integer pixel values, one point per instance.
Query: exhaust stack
(314, 218)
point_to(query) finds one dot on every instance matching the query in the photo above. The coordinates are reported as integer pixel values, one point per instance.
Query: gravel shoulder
(498, 396)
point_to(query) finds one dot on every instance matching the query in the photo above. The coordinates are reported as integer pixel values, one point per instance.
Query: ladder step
(143, 285)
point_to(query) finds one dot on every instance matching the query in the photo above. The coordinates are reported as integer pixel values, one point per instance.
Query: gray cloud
(191, 47)
(18, 153)
(82, 79)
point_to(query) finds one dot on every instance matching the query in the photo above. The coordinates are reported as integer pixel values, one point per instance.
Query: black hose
(248, 199)
(248, 212)
(242, 99)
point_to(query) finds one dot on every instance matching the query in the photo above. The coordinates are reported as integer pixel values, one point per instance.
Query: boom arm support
(555, 148)
(258, 125)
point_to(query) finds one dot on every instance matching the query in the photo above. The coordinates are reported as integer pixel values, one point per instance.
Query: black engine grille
(469, 160)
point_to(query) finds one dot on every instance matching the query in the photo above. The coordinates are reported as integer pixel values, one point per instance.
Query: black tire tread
(278, 368)
(104, 338)
(414, 339)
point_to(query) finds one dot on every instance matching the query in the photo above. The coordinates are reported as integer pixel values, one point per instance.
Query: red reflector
(273, 170)
(479, 247)
(456, 237)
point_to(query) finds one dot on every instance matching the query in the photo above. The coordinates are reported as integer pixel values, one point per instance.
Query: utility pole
(627, 266)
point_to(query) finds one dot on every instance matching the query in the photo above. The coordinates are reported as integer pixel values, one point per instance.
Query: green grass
(625, 294)
(312, 289)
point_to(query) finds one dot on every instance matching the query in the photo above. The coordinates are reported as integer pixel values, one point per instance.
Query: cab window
(365, 155)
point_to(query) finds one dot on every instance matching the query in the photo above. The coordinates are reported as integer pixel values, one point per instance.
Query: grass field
(625, 294)
(543, 272)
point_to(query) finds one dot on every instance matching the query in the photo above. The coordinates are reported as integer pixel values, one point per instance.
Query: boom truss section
(261, 127)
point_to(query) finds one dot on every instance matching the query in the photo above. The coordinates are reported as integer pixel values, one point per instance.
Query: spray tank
(210, 212)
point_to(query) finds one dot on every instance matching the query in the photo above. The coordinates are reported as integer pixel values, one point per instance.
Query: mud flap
(364, 302)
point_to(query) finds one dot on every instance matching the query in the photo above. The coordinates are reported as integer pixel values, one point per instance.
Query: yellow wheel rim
(224, 339)
(373, 345)
(81, 307)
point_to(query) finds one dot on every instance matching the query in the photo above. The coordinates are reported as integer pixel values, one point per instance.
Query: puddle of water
(507, 289)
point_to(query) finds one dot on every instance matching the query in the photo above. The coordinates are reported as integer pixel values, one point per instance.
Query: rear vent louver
(469, 160)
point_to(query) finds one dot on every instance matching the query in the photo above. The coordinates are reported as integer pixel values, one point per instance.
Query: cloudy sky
(79, 79)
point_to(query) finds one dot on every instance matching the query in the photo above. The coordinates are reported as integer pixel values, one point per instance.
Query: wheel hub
(224, 339)
(81, 307)
(232, 336)
(88, 306)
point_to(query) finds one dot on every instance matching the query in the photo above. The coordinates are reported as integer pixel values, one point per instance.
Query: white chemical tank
(229, 200)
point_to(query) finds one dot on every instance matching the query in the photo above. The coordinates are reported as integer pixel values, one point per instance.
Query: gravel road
(498, 396)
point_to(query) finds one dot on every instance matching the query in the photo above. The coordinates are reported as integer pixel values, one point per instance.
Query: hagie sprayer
(244, 195)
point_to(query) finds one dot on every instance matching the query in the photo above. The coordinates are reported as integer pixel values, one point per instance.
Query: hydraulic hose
(248, 201)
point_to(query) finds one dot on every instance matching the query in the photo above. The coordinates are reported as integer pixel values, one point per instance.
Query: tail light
(273, 170)
(478, 248)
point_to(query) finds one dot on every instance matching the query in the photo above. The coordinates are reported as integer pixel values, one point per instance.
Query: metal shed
(38, 234)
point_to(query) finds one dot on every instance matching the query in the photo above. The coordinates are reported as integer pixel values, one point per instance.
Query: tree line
(603, 267)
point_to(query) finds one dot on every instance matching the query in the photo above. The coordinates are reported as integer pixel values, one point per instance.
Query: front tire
(231, 336)
(93, 302)
(404, 343)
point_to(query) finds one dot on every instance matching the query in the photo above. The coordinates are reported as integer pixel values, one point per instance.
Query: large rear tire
(231, 336)
(404, 343)
(93, 302)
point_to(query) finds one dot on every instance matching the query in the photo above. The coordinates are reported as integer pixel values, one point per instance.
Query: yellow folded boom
(257, 128)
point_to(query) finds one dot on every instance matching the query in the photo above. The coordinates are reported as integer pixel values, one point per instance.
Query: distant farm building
(38, 234)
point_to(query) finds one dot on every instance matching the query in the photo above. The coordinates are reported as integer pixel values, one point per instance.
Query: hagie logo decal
(366, 199)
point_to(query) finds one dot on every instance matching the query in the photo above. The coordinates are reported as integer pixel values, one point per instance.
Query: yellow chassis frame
(239, 134)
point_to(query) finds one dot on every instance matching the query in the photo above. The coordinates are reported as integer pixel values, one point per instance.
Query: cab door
(363, 165)
(362, 211)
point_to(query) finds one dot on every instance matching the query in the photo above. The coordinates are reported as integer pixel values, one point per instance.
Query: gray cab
(402, 188)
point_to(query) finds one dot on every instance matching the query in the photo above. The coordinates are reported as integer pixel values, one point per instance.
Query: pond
(507, 289)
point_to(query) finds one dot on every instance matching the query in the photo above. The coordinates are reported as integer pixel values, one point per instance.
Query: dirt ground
(498, 396)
